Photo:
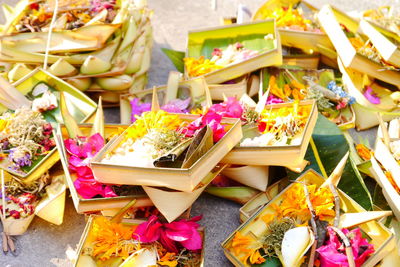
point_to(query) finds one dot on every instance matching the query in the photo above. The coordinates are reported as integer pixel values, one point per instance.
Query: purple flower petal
(371, 96)
(138, 108)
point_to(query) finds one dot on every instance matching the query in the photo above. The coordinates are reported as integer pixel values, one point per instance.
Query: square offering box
(202, 43)
(331, 19)
(382, 239)
(86, 240)
(389, 163)
(85, 38)
(81, 108)
(291, 155)
(315, 73)
(96, 204)
(383, 40)
(305, 40)
(174, 178)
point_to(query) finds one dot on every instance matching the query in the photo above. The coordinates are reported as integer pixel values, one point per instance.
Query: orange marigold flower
(294, 204)
(109, 239)
(241, 247)
(363, 151)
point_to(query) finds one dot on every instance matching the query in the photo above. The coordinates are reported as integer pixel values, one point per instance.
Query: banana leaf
(202, 43)
(255, 42)
(327, 147)
(176, 58)
(269, 262)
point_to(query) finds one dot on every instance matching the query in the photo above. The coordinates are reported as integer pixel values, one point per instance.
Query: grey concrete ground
(46, 245)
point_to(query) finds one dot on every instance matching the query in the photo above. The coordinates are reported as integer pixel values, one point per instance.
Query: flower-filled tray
(269, 146)
(295, 23)
(141, 243)
(279, 233)
(385, 163)
(333, 100)
(385, 42)
(31, 156)
(354, 49)
(371, 97)
(44, 197)
(168, 150)
(385, 21)
(223, 53)
(23, 24)
(87, 194)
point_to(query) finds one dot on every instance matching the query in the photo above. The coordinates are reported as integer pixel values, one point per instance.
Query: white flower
(47, 101)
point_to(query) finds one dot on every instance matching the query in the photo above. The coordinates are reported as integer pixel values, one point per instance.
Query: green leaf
(69, 121)
(365, 168)
(331, 146)
(270, 262)
(176, 58)
(378, 198)
(255, 42)
(35, 162)
(325, 77)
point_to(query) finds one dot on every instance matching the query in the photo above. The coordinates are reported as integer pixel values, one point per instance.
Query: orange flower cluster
(240, 245)
(299, 115)
(294, 90)
(288, 17)
(294, 204)
(111, 239)
(364, 152)
(198, 67)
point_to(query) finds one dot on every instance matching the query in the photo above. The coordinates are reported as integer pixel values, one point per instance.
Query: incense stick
(46, 55)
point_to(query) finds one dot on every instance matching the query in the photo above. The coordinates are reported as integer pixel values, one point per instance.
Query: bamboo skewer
(53, 19)
(155, 105)
(346, 242)
(313, 225)
(337, 205)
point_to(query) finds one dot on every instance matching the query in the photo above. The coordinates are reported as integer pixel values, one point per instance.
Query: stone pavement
(46, 245)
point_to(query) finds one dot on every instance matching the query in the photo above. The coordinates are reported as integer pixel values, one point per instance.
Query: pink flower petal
(371, 96)
(168, 243)
(149, 231)
(97, 142)
(194, 243)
